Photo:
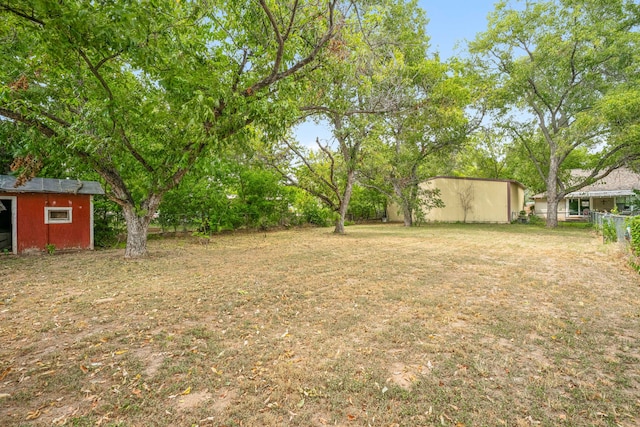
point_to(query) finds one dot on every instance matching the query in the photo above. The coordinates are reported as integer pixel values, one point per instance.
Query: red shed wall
(34, 234)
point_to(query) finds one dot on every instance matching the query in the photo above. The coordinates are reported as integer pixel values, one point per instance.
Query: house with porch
(616, 190)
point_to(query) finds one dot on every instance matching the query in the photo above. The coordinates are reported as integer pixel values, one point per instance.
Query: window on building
(57, 215)
(579, 206)
(628, 204)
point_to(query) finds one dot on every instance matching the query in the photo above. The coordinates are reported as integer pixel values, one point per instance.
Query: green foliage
(262, 201)
(557, 68)
(51, 248)
(364, 77)
(418, 140)
(139, 91)
(633, 223)
(366, 203)
(108, 222)
(425, 200)
(311, 211)
(226, 195)
(535, 220)
(485, 156)
(609, 232)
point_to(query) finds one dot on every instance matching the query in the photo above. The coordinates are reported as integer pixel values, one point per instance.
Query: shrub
(311, 211)
(634, 227)
(108, 223)
(535, 220)
(609, 230)
(314, 213)
(366, 204)
(226, 195)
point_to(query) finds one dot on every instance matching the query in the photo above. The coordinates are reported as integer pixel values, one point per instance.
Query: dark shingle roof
(619, 179)
(49, 185)
(620, 182)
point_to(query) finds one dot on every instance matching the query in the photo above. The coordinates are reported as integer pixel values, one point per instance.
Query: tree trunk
(552, 196)
(407, 212)
(552, 212)
(137, 229)
(344, 203)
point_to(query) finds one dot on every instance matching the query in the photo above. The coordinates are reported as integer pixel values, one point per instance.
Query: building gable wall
(488, 201)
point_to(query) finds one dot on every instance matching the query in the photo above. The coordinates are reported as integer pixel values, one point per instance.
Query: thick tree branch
(136, 155)
(538, 94)
(332, 169)
(18, 117)
(557, 124)
(598, 172)
(243, 64)
(290, 181)
(536, 162)
(329, 183)
(292, 19)
(542, 123)
(110, 175)
(95, 70)
(276, 75)
(375, 187)
(56, 119)
(96, 73)
(314, 109)
(107, 58)
(276, 33)
(22, 14)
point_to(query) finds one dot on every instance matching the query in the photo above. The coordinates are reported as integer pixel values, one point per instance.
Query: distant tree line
(185, 111)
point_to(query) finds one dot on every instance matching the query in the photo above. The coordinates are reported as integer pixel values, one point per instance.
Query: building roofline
(619, 182)
(512, 181)
(597, 194)
(50, 185)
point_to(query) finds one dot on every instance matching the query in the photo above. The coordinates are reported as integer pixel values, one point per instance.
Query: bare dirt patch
(438, 325)
(192, 400)
(404, 376)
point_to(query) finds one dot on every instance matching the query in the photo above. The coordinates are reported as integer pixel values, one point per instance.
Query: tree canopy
(555, 65)
(137, 92)
(140, 94)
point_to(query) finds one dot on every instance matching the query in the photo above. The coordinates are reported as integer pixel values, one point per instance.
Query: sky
(451, 22)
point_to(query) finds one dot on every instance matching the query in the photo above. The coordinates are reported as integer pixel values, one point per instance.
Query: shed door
(7, 224)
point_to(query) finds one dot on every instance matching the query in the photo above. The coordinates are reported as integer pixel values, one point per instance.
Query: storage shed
(477, 200)
(46, 213)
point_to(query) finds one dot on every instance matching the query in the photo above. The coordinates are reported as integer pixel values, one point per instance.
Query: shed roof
(50, 185)
(620, 182)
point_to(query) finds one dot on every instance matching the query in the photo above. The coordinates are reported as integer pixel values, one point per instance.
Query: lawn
(453, 325)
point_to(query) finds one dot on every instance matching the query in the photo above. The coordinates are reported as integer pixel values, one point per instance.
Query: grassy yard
(452, 325)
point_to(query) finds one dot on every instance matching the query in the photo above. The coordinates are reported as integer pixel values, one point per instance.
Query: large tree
(138, 91)
(361, 81)
(434, 120)
(554, 63)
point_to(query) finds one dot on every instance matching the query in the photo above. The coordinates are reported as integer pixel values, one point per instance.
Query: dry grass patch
(440, 325)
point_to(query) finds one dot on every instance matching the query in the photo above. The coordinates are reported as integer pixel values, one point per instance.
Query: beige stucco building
(471, 200)
(615, 190)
